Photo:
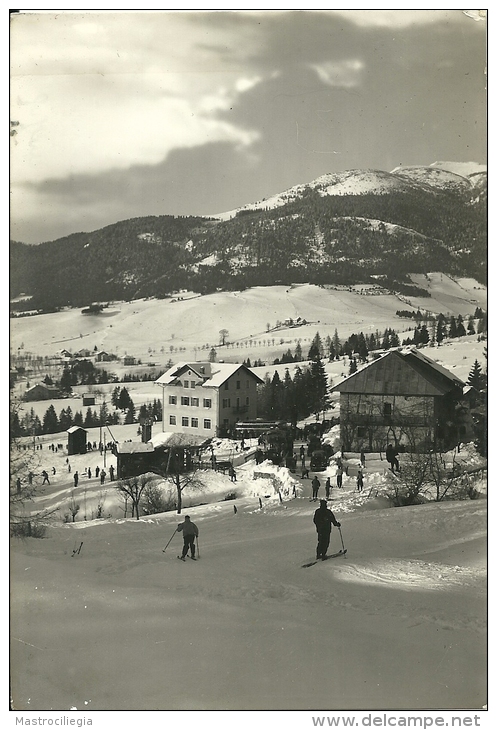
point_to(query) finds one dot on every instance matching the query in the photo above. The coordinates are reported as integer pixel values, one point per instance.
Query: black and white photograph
(248, 337)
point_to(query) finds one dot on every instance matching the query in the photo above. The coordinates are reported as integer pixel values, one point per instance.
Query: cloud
(346, 73)
(92, 94)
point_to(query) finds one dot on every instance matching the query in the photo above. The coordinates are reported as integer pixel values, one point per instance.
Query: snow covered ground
(399, 622)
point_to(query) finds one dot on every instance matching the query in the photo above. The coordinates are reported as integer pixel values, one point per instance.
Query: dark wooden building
(76, 440)
(402, 398)
(42, 392)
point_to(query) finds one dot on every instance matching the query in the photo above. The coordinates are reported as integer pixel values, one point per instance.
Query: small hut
(76, 440)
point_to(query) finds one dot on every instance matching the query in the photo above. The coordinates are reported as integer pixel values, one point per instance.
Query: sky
(121, 114)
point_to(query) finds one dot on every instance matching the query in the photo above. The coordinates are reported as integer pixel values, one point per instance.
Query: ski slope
(399, 622)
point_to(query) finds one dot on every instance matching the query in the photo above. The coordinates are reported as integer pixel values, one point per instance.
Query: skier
(190, 532)
(97, 472)
(327, 487)
(46, 480)
(76, 479)
(360, 480)
(315, 488)
(102, 476)
(111, 472)
(339, 476)
(89, 473)
(323, 519)
(391, 455)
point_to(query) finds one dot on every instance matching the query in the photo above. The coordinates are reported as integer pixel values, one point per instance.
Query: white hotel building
(205, 398)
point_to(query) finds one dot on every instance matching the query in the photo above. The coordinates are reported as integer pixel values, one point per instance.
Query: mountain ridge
(355, 226)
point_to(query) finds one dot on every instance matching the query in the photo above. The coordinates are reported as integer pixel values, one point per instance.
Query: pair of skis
(326, 557)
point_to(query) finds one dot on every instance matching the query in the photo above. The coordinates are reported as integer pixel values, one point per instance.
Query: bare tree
(223, 334)
(73, 507)
(133, 488)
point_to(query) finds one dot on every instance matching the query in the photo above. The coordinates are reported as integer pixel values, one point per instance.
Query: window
(194, 422)
(207, 403)
(185, 401)
(387, 409)
(207, 423)
(361, 431)
(185, 384)
(172, 400)
(172, 420)
(192, 384)
(194, 401)
(226, 402)
(184, 421)
(238, 384)
(247, 401)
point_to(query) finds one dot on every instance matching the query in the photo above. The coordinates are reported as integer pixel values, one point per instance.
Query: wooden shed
(76, 440)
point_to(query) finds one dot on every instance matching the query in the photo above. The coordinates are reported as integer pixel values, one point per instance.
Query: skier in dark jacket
(323, 519)
(315, 488)
(190, 532)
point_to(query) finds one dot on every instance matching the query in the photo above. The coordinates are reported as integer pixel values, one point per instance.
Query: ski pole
(341, 538)
(198, 549)
(174, 533)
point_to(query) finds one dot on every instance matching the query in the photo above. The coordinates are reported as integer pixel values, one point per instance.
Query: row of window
(238, 384)
(193, 422)
(227, 402)
(187, 401)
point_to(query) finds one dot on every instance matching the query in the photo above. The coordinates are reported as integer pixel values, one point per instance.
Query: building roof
(134, 447)
(49, 388)
(171, 439)
(73, 429)
(401, 372)
(214, 374)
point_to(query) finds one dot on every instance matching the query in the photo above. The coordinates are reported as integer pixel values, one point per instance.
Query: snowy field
(151, 329)
(399, 622)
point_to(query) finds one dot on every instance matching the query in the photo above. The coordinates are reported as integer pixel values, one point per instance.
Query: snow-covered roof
(213, 374)
(73, 429)
(134, 447)
(173, 439)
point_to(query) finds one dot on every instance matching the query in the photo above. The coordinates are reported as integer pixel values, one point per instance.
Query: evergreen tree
(124, 400)
(337, 345)
(90, 419)
(298, 353)
(50, 421)
(316, 348)
(460, 328)
(362, 348)
(452, 328)
(441, 332)
(476, 377)
(353, 366)
(115, 396)
(65, 419)
(318, 387)
(78, 419)
(66, 380)
(130, 414)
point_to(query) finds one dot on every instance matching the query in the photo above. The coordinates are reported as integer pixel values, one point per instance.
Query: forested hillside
(315, 237)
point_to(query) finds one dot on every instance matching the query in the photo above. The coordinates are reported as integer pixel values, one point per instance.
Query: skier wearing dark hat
(323, 519)
(190, 532)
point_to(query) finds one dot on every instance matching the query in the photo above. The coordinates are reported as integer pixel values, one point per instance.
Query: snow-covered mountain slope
(438, 175)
